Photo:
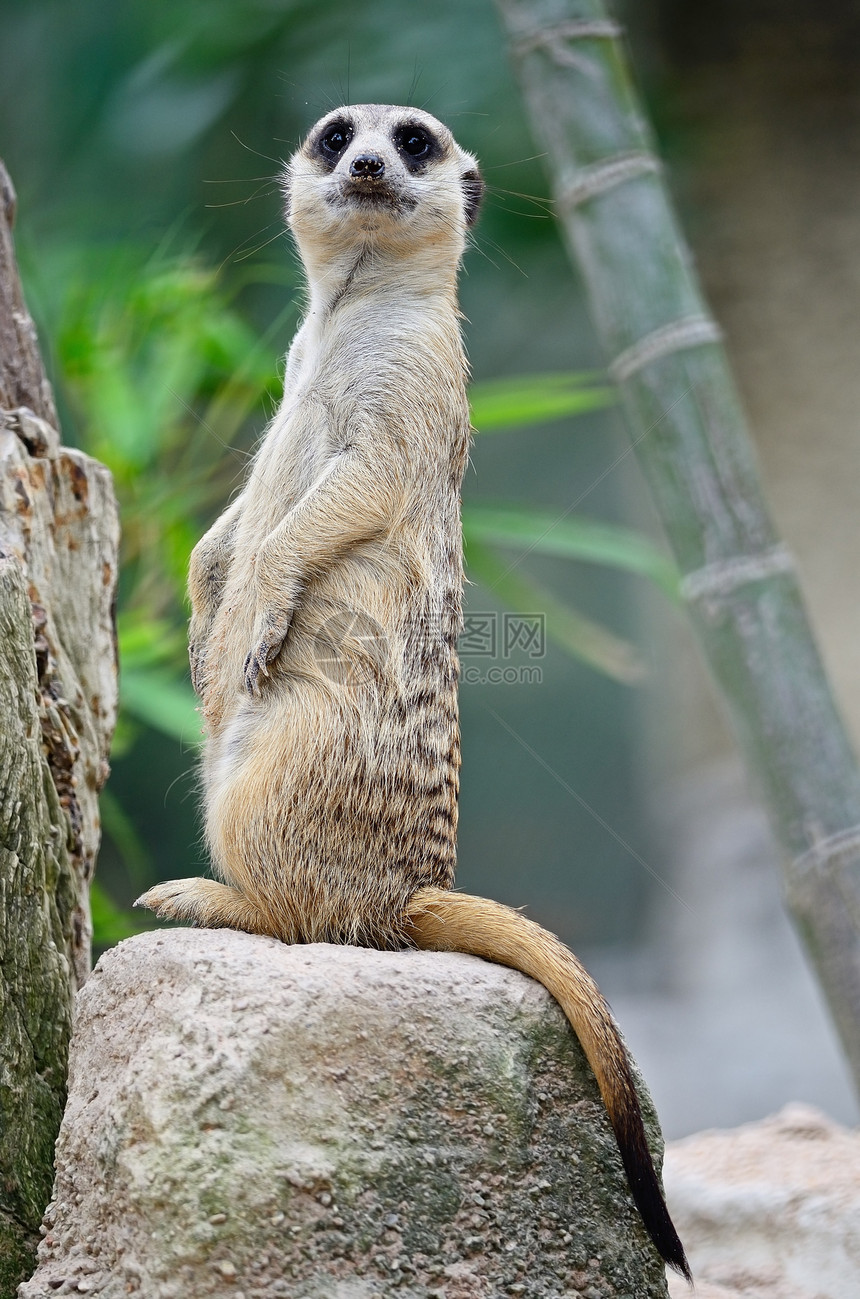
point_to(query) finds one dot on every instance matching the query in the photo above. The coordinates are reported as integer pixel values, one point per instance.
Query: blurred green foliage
(145, 142)
(161, 373)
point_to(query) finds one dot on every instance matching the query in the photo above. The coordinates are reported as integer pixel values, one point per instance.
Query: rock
(770, 1210)
(251, 1119)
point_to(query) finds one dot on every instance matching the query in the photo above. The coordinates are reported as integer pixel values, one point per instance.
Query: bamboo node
(828, 850)
(589, 182)
(551, 39)
(724, 576)
(692, 331)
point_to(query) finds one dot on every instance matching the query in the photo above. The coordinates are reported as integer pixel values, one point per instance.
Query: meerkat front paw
(272, 635)
(176, 900)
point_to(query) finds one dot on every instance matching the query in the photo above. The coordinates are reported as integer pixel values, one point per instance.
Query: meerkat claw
(255, 667)
(251, 671)
(265, 652)
(195, 662)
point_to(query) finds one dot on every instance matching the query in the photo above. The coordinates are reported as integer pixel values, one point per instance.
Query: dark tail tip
(647, 1194)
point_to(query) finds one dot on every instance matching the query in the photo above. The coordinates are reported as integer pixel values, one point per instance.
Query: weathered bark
(691, 439)
(58, 561)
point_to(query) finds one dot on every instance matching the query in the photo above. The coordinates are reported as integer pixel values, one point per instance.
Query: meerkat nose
(367, 165)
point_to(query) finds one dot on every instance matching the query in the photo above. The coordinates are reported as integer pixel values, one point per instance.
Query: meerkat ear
(473, 193)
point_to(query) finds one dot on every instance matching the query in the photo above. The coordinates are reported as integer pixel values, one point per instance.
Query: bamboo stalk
(692, 441)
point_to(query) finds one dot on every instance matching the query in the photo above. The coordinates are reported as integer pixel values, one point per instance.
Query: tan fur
(327, 599)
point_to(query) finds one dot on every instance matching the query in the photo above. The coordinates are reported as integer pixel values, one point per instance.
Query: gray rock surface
(770, 1210)
(247, 1119)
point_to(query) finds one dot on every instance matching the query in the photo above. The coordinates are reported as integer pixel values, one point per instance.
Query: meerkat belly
(332, 799)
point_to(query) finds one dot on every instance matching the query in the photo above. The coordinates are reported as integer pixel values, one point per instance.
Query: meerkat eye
(414, 141)
(336, 138)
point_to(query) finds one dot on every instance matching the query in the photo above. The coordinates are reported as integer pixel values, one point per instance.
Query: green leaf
(145, 641)
(578, 635)
(164, 702)
(118, 825)
(110, 923)
(571, 537)
(537, 399)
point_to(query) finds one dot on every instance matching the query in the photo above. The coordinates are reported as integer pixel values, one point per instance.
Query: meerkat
(326, 606)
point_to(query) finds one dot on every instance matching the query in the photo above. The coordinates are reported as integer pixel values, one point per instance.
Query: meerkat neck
(366, 270)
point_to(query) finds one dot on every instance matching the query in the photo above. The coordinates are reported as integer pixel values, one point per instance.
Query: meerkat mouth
(368, 192)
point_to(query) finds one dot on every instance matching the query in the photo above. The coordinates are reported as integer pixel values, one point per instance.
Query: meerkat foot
(206, 903)
(267, 649)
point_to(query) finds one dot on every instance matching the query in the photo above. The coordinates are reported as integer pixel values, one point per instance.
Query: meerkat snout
(367, 166)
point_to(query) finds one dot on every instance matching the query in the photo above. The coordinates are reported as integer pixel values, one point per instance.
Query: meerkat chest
(295, 452)
(309, 431)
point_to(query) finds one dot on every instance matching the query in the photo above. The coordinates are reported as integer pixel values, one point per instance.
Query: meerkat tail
(443, 921)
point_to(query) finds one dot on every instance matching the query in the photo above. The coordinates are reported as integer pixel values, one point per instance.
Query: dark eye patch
(333, 140)
(416, 145)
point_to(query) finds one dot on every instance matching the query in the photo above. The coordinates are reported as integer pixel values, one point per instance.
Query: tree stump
(248, 1120)
(59, 539)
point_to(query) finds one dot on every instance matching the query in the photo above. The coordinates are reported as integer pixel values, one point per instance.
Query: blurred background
(600, 787)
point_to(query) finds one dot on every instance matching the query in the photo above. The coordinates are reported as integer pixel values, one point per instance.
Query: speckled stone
(770, 1210)
(248, 1119)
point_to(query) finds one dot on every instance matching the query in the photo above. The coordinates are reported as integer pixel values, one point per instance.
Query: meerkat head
(395, 177)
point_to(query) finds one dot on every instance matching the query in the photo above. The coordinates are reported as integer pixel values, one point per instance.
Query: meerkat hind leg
(206, 903)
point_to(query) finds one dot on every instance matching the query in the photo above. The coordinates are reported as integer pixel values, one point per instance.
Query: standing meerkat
(327, 604)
